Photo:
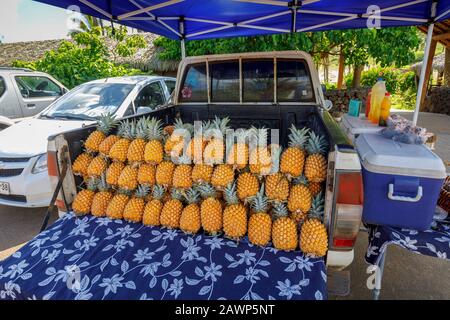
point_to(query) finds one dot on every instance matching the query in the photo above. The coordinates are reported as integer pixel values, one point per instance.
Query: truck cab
(271, 89)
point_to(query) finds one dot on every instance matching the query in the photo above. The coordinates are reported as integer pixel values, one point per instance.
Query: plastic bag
(402, 130)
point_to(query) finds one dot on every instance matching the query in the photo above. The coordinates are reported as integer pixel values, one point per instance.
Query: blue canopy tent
(205, 19)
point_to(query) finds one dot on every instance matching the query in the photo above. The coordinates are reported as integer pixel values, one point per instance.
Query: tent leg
(423, 72)
(183, 49)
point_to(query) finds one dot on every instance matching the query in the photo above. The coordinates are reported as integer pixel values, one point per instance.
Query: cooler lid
(358, 125)
(381, 155)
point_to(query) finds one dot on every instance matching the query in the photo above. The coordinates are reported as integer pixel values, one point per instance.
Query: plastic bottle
(377, 96)
(385, 109)
(369, 95)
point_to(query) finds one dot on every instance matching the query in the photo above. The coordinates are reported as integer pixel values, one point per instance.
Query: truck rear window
(224, 81)
(293, 81)
(257, 77)
(194, 85)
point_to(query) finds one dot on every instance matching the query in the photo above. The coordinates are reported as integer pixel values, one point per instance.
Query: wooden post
(447, 67)
(428, 71)
(341, 70)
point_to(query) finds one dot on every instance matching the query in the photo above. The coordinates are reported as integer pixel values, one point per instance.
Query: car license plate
(4, 188)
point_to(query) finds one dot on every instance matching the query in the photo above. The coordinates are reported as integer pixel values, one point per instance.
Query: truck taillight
(349, 200)
(52, 164)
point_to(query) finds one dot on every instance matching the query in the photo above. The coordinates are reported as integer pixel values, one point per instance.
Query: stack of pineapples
(150, 174)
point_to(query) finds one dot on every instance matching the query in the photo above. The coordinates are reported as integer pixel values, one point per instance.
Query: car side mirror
(328, 105)
(142, 110)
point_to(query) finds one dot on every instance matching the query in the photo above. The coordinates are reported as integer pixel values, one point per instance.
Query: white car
(24, 181)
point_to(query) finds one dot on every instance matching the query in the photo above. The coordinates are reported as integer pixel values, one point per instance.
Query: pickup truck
(271, 89)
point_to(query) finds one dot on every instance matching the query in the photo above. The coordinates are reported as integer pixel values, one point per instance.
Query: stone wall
(438, 101)
(341, 98)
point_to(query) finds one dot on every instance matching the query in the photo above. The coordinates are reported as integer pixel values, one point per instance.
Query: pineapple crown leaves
(141, 128)
(192, 195)
(276, 151)
(301, 180)
(259, 203)
(158, 192)
(106, 123)
(102, 184)
(125, 129)
(316, 144)
(154, 129)
(179, 124)
(280, 210)
(258, 135)
(221, 124)
(124, 192)
(92, 183)
(176, 194)
(207, 191)
(230, 194)
(142, 191)
(183, 159)
(317, 207)
(298, 137)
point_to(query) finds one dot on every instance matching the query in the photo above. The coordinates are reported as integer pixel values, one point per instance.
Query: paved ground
(407, 276)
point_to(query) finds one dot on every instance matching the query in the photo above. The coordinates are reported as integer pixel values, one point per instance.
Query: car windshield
(89, 101)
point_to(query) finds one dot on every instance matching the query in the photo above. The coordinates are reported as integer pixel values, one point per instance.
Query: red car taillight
(53, 172)
(348, 211)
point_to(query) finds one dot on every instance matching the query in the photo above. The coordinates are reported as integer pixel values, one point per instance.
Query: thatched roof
(145, 59)
(438, 64)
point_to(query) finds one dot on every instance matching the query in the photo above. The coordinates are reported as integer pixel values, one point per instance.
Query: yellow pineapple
(135, 153)
(113, 173)
(164, 173)
(182, 175)
(146, 174)
(210, 210)
(83, 200)
(154, 149)
(260, 159)
(247, 186)
(293, 158)
(197, 144)
(128, 178)
(234, 215)
(315, 188)
(190, 217)
(172, 209)
(201, 173)
(284, 229)
(152, 210)
(260, 222)
(81, 164)
(119, 150)
(117, 205)
(313, 234)
(174, 145)
(104, 127)
(239, 153)
(277, 187)
(106, 145)
(214, 152)
(316, 163)
(300, 198)
(101, 198)
(97, 166)
(222, 176)
(135, 206)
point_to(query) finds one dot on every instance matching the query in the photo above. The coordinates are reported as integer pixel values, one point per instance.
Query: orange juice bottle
(385, 109)
(376, 98)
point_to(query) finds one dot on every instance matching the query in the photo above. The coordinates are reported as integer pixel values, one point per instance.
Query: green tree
(88, 57)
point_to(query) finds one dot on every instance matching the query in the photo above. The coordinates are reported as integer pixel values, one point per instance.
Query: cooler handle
(403, 198)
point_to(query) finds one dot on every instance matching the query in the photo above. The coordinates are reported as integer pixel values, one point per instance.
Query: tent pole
(183, 49)
(183, 36)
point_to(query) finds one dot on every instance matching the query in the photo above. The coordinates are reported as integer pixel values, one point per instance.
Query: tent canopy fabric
(206, 19)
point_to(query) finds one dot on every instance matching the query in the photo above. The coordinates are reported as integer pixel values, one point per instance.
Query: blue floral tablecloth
(99, 258)
(434, 242)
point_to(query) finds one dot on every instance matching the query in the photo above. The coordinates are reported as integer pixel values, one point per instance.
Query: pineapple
(293, 158)
(135, 153)
(247, 186)
(284, 229)
(260, 222)
(128, 178)
(315, 188)
(222, 176)
(238, 155)
(101, 198)
(300, 198)
(313, 234)
(154, 150)
(234, 215)
(97, 166)
(81, 164)
(210, 210)
(197, 144)
(215, 149)
(135, 207)
(277, 187)
(316, 163)
(117, 204)
(175, 143)
(172, 209)
(104, 127)
(113, 173)
(164, 173)
(182, 175)
(146, 174)
(260, 161)
(83, 200)
(119, 150)
(201, 173)
(152, 210)
(106, 145)
(190, 217)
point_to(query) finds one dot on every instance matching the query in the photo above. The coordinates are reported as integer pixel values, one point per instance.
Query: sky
(26, 20)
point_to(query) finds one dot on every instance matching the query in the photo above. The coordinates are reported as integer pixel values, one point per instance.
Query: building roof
(441, 32)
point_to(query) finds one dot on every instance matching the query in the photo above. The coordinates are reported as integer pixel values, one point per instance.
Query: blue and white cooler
(401, 182)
